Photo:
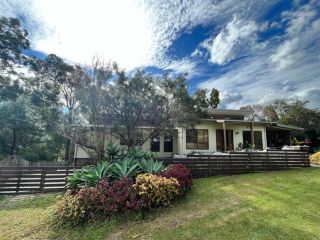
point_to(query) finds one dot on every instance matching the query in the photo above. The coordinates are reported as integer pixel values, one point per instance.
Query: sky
(253, 52)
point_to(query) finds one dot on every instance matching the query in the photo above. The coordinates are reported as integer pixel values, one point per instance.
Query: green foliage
(151, 166)
(138, 153)
(113, 150)
(75, 180)
(247, 147)
(90, 176)
(201, 99)
(128, 167)
(214, 99)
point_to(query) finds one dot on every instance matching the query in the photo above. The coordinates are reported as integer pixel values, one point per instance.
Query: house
(222, 130)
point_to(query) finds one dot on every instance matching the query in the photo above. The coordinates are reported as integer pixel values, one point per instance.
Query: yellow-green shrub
(156, 190)
(77, 207)
(315, 158)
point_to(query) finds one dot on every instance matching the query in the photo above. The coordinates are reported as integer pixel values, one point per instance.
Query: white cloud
(300, 42)
(78, 30)
(235, 36)
(184, 65)
(132, 32)
(286, 66)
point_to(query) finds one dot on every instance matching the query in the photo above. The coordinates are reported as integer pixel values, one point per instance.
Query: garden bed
(272, 205)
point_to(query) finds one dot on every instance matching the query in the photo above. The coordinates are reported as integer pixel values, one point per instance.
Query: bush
(315, 158)
(181, 173)
(156, 190)
(79, 206)
(151, 166)
(90, 176)
(123, 197)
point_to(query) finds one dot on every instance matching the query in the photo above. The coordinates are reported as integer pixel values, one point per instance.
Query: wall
(179, 141)
(212, 127)
(80, 153)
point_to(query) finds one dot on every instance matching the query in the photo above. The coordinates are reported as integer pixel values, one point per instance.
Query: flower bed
(129, 185)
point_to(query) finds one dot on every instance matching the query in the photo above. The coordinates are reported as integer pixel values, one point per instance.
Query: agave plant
(136, 153)
(90, 176)
(128, 167)
(113, 150)
(151, 166)
(75, 180)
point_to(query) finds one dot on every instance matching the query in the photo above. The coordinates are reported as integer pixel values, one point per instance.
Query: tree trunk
(67, 150)
(14, 144)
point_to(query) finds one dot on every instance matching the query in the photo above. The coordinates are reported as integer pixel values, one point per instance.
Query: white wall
(179, 141)
(212, 127)
(80, 153)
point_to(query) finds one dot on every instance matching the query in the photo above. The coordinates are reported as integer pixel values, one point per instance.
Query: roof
(270, 125)
(229, 112)
(275, 125)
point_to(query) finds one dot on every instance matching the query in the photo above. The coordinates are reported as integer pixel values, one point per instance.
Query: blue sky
(252, 51)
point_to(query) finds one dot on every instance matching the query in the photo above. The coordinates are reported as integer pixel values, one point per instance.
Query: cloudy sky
(252, 51)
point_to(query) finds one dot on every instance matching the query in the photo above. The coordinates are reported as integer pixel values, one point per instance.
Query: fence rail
(242, 162)
(25, 180)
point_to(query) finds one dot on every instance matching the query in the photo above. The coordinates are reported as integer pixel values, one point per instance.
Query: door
(220, 140)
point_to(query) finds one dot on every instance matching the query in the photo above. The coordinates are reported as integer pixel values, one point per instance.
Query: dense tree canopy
(51, 100)
(290, 112)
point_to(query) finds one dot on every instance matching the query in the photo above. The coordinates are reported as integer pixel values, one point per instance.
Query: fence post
(230, 162)
(287, 166)
(18, 182)
(267, 160)
(43, 177)
(67, 174)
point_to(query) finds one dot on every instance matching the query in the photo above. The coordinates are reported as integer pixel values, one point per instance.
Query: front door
(220, 140)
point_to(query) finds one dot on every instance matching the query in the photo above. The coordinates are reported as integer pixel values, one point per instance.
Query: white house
(222, 131)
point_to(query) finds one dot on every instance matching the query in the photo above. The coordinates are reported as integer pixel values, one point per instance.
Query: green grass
(273, 205)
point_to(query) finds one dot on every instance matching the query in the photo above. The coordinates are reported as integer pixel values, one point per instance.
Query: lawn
(273, 205)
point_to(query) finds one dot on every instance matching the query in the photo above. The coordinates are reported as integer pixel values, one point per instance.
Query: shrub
(113, 151)
(122, 196)
(90, 176)
(151, 166)
(181, 173)
(127, 167)
(138, 154)
(156, 190)
(315, 158)
(77, 206)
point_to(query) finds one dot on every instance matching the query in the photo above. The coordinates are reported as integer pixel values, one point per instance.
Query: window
(197, 139)
(155, 144)
(168, 144)
(257, 138)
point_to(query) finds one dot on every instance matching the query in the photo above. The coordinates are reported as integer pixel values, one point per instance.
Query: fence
(25, 180)
(242, 162)
(20, 162)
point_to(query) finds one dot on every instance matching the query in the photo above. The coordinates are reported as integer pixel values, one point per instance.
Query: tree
(290, 112)
(202, 101)
(25, 120)
(200, 98)
(214, 99)
(140, 106)
(59, 85)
